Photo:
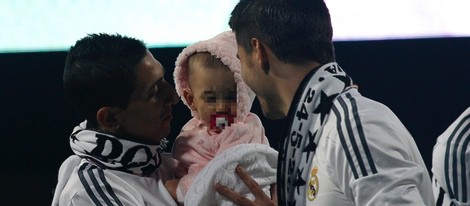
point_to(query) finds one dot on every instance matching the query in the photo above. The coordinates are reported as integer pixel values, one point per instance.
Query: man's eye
(156, 91)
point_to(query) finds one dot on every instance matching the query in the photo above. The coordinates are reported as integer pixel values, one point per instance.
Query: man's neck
(288, 81)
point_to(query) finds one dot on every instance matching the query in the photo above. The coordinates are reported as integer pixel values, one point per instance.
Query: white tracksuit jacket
(368, 158)
(451, 163)
(79, 177)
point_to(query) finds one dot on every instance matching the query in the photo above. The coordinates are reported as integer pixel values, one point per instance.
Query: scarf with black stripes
(307, 114)
(109, 152)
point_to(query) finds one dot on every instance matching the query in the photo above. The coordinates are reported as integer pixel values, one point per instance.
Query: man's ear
(261, 54)
(189, 97)
(107, 120)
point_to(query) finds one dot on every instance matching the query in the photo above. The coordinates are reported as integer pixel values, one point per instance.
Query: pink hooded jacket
(195, 147)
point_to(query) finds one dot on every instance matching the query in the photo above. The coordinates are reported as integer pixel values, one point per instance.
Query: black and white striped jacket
(365, 156)
(451, 163)
(81, 182)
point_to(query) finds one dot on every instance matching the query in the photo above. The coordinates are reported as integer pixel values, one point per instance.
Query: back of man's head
(100, 71)
(297, 31)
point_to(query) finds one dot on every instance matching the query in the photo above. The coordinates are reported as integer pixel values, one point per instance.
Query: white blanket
(259, 160)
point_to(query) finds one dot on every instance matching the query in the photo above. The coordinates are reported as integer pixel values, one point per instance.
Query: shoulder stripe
(108, 188)
(451, 166)
(464, 167)
(343, 141)
(440, 197)
(355, 137)
(90, 171)
(361, 133)
(352, 139)
(93, 187)
(86, 185)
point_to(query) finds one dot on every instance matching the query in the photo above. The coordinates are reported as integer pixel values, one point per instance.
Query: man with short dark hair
(339, 148)
(117, 86)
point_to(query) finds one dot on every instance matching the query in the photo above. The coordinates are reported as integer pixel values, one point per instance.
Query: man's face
(214, 94)
(148, 115)
(260, 81)
(247, 69)
(254, 77)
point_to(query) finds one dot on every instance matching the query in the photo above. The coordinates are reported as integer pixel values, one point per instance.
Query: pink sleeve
(193, 148)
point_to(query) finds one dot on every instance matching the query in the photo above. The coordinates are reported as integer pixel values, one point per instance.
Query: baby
(223, 132)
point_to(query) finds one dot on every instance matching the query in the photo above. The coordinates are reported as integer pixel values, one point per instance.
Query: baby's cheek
(233, 109)
(205, 115)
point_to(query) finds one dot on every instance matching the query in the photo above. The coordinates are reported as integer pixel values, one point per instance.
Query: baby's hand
(171, 185)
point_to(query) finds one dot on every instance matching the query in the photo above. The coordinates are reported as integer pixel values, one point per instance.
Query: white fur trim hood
(224, 47)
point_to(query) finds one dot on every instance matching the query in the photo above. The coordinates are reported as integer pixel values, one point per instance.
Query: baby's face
(215, 97)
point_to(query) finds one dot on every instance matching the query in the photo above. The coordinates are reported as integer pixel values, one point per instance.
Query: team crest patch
(313, 186)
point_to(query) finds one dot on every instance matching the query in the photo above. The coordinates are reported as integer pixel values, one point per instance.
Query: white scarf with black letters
(308, 112)
(110, 152)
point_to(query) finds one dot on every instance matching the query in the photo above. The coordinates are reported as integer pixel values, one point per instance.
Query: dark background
(424, 81)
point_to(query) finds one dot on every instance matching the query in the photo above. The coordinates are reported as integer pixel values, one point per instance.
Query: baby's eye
(231, 97)
(209, 97)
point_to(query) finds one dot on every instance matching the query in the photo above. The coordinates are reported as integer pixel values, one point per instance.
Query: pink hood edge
(224, 47)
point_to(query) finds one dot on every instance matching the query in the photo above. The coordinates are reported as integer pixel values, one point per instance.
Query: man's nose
(172, 97)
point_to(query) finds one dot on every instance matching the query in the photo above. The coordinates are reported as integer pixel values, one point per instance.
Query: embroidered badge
(313, 186)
